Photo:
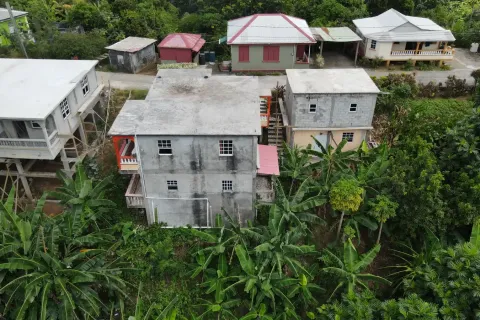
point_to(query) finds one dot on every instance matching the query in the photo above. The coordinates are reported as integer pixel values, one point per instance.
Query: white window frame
(373, 45)
(65, 108)
(225, 148)
(85, 86)
(227, 185)
(172, 185)
(35, 125)
(165, 145)
(353, 106)
(348, 136)
(314, 105)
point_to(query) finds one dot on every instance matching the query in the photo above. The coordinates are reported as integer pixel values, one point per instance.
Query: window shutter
(244, 53)
(265, 53)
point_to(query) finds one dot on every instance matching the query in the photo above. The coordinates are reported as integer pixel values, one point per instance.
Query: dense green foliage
(115, 19)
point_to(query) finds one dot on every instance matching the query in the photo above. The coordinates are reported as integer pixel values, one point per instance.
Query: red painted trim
(243, 28)
(296, 27)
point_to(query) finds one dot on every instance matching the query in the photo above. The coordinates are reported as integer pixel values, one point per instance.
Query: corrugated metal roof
(342, 81)
(131, 44)
(337, 34)
(386, 27)
(182, 41)
(268, 28)
(5, 16)
(268, 160)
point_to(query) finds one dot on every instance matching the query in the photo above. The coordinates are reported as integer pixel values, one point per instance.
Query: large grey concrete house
(45, 105)
(330, 105)
(132, 54)
(191, 147)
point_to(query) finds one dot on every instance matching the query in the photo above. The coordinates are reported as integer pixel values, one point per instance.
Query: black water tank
(201, 59)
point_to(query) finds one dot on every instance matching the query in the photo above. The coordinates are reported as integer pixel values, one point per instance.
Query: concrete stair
(275, 136)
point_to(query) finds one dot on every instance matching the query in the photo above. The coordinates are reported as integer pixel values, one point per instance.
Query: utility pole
(15, 29)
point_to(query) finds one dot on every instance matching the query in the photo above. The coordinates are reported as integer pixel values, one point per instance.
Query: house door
(323, 139)
(20, 129)
(411, 46)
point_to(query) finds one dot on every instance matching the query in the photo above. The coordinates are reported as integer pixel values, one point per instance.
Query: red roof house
(180, 47)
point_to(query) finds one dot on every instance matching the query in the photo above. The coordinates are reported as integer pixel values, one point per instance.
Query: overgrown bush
(408, 65)
(429, 90)
(319, 61)
(455, 87)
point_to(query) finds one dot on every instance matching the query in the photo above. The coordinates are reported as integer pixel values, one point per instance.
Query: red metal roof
(183, 41)
(268, 164)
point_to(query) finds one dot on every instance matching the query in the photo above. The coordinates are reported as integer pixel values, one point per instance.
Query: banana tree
(295, 165)
(331, 161)
(349, 268)
(42, 278)
(296, 209)
(85, 198)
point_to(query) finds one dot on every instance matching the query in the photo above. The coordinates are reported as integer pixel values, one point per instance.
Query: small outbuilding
(180, 47)
(132, 54)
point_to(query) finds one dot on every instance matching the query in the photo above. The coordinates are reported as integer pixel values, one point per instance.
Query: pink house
(180, 47)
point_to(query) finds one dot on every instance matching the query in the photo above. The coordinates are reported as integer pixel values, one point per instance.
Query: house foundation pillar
(21, 175)
(66, 166)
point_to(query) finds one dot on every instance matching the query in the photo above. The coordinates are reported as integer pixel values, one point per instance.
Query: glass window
(347, 136)
(164, 147)
(172, 185)
(226, 147)
(85, 86)
(313, 108)
(373, 45)
(227, 185)
(353, 107)
(65, 108)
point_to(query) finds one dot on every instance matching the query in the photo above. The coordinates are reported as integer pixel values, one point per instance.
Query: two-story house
(393, 36)
(44, 105)
(329, 105)
(269, 42)
(192, 147)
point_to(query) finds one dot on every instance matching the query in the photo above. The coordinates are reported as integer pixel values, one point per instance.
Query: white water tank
(474, 47)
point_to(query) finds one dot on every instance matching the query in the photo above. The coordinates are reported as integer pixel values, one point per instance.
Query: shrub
(445, 67)
(319, 61)
(455, 87)
(429, 90)
(425, 66)
(408, 66)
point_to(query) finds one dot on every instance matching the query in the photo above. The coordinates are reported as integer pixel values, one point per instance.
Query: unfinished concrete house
(192, 148)
(46, 113)
(331, 105)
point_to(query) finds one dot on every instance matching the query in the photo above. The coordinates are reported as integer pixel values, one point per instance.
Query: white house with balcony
(47, 111)
(393, 36)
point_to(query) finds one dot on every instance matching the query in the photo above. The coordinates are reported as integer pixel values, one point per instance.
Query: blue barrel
(208, 56)
(212, 56)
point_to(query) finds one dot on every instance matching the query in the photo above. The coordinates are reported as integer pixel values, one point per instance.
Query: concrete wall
(286, 59)
(332, 110)
(144, 58)
(303, 138)
(133, 62)
(199, 170)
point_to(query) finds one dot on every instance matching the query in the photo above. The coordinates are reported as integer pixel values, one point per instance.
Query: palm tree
(350, 266)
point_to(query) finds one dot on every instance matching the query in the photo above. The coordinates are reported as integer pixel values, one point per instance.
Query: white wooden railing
(134, 201)
(29, 143)
(23, 143)
(128, 160)
(403, 53)
(422, 52)
(53, 137)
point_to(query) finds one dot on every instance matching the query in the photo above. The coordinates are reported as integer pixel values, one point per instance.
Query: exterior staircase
(275, 131)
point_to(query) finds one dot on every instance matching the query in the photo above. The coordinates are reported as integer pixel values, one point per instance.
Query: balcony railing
(53, 137)
(29, 143)
(134, 194)
(440, 52)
